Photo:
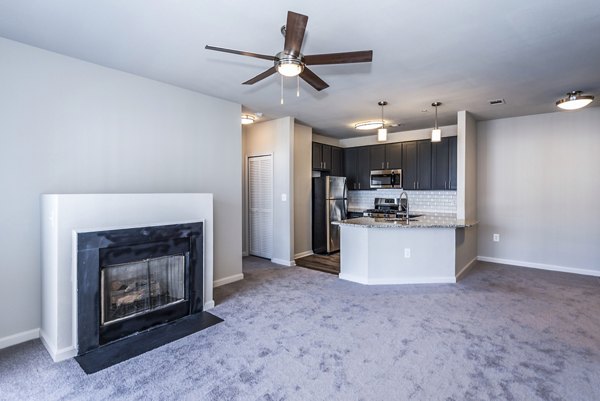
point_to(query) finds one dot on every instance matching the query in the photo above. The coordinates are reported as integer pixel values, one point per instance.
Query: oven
(386, 178)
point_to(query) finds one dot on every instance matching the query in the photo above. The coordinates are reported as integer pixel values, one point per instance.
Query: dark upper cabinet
(424, 164)
(350, 167)
(393, 155)
(317, 156)
(440, 164)
(409, 165)
(321, 156)
(444, 164)
(377, 157)
(452, 149)
(363, 170)
(337, 161)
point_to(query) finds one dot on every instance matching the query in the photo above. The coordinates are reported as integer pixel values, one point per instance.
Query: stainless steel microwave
(386, 178)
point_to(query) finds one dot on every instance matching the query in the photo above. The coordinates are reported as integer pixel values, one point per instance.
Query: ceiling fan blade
(249, 54)
(294, 33)
(364, 56)
(313, 80)
(261, 76)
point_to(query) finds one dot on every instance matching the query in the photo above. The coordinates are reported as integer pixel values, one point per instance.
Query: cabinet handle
(417, 184)
(387, 165)
(414, 185)
(445, 186)
(382, 165)
(359, 185)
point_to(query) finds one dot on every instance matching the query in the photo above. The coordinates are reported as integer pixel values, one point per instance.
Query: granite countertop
(431, 220)
(357, 209)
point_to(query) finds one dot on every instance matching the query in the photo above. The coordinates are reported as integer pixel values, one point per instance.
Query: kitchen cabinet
(444, 164)
(337, 161)
(357, 167)
(416, 165)
(321, 156)
(386, 157)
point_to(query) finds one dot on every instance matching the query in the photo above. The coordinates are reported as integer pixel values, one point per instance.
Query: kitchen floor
(324, 263)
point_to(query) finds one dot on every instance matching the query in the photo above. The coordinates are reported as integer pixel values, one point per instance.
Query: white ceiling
(462, 53)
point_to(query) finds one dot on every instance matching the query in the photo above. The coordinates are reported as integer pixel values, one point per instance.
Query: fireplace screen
(132, 288)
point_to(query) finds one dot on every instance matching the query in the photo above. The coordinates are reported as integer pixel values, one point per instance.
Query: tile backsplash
(419, 201)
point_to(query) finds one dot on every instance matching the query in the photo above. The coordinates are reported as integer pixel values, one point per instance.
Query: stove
(384, 207)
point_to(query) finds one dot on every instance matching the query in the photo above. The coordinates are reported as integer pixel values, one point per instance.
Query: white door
(260, 205)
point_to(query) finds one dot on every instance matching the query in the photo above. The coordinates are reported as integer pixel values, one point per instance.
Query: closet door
(260, 206)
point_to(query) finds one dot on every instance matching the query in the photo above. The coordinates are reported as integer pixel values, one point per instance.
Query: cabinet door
(326, 152)
(317, 156)
(363, 168)
(377, 155)
(440, 164)
(350, 164)
(337, 161)
(424, 164)
(452, 155)
(409, 165)
(393, 155)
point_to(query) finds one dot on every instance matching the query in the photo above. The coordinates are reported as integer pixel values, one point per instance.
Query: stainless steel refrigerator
(330, 204)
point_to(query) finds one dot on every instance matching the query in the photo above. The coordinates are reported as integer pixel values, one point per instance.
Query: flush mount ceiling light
(382, 132)
(436, 133)
(368, 125)
(574, 100)
(247, 119)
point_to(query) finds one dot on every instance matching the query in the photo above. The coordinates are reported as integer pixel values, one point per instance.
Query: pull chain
(281, 89)
(298, 87)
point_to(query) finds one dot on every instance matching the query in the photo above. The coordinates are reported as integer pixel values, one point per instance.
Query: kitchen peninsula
(426, 249)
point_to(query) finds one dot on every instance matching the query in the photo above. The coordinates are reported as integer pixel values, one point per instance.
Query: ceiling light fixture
(288, 66)
(382, 132)
(247, 119)
(368, 125)
(436, 133)
(574, 100)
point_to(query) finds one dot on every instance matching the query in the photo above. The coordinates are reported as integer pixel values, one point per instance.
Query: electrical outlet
(407, 252)
(496, 237)
(283, 197)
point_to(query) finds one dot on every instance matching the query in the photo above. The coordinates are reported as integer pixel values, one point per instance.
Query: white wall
(68, 126)
(303, 137)
(538, 187)
(276, 137)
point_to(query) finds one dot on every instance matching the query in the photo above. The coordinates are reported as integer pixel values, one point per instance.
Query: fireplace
(135, 286)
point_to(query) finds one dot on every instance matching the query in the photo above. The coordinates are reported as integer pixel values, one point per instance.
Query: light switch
(284, 197)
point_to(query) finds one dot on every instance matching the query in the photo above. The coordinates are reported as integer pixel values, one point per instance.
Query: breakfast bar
(425, 249)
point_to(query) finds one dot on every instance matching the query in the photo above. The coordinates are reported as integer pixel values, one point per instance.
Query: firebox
(137, 281)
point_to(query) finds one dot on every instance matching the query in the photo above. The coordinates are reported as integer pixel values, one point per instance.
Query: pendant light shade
(574, 100)
(382, 132)
(436, 133)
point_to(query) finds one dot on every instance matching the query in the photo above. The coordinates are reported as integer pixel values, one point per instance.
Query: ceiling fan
(290, 62)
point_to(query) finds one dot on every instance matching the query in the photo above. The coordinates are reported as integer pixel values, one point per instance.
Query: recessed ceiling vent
(497, 101)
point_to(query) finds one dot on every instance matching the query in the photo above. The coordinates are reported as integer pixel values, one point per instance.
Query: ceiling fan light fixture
(368, 125)
(289, 66)
(436, 132)
(574, 100)
(247, 119)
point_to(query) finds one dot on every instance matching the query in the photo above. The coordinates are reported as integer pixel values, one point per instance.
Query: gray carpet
(296, 334)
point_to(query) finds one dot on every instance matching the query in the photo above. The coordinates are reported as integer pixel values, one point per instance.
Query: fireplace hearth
(137, 289)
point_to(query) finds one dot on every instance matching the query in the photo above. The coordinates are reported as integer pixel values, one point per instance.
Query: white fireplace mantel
(64, 215)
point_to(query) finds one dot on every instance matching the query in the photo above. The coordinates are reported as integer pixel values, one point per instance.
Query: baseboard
(466, 268)
(303, 254)
(541, 266)
(19, 338)
(396, 281)
(283, 262)
(227, 280)
(57, 355)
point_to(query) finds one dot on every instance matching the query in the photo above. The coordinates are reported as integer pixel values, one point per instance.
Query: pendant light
(382, 132)
(436, 133)
(574, 100)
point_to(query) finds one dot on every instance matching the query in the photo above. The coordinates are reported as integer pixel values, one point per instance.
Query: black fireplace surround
(102, 345)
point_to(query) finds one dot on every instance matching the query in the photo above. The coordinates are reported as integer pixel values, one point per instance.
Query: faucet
(404, 204)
